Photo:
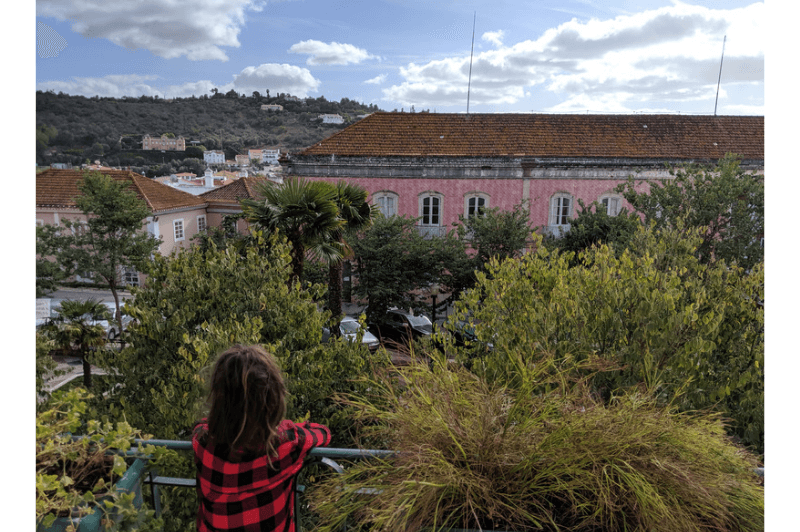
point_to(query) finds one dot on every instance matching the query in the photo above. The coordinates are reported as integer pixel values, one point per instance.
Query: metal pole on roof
(720, 74)
(469, 82)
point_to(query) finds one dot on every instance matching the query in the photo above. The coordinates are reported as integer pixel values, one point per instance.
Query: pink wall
(503, 193)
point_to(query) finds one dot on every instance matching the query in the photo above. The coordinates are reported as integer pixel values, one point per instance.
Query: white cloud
(168, 29)
(115, 86)
(330, 53)
(669, 56)
(494, 37)
(377, 80)
(277, 78)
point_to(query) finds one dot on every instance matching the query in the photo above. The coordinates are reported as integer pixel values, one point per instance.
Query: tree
(75, 330)
(593, 226)
(305, 212)
(656, 316)
(394, 263)
(727, 201)
(357, 214)
(110, 241)
(495, 233)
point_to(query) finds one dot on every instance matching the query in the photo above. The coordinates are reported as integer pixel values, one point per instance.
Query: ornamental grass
(543, 457)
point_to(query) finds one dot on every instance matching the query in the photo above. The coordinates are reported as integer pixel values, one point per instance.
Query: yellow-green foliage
(474, 455)
(691, 333)
(79, 475)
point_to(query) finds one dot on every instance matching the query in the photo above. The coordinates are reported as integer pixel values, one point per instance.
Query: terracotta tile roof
(542, 135)
(242, 188)
(58, 188)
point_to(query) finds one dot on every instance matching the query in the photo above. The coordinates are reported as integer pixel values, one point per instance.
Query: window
(177, 226)
(131, 277)
(612, 204)
(39, 223)
(474, 203)
(386, 202)
(560, 210)
(201, 223)
(430, 212)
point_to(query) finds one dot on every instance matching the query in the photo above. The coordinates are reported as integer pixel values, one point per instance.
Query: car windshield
(349, 327)
(419, 321)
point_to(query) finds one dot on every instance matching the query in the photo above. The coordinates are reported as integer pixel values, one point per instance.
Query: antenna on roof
(720, 74)
(469, 82)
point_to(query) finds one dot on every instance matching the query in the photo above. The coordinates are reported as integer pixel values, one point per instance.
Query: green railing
(323, 455)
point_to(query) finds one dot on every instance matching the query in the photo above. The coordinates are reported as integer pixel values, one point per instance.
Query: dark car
(464, 335)
(401, 326)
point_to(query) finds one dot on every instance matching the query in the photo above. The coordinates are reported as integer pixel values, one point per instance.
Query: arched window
(475, 203)
(386, 202)
(561, 210)
(612, 203)
(430, 213)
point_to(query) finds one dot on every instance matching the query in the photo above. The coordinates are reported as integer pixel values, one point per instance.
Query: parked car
(349, 328)
(464, 335)
(401, 326)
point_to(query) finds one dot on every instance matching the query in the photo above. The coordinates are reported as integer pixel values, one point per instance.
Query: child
(246, 454)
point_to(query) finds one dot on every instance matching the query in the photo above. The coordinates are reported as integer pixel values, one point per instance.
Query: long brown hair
(248, 400)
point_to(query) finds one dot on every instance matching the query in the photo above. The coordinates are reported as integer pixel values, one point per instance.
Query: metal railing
(323, 455)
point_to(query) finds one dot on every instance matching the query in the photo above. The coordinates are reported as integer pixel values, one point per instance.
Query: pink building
(435, 167)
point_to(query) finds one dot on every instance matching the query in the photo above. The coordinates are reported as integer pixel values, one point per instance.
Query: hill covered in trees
(74, 129)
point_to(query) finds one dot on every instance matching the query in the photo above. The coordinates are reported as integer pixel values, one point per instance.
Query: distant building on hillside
(242, 160)
(214, 157)
(163, 143)
(271, 107)
(331, 119)
(265, 155)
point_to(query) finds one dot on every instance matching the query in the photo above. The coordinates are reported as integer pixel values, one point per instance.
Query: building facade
(163, 143)
(214, 157)
(437, 167)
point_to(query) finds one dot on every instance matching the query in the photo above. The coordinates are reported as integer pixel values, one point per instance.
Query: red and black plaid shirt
(254, 494)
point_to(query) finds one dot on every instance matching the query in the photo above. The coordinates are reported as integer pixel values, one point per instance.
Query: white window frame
(178, 236)
(379, 199)
(612, 203)
(477, 197)
(557, 218)
(435, 200)
(431, 201)
(201, 227)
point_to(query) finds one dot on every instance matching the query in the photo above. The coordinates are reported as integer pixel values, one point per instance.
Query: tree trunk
(335, 289)
(87, 372)
(117, 314)
(298, 256)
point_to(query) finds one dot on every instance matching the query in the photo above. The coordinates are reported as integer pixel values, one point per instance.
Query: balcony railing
(324, 455)
(430, 231)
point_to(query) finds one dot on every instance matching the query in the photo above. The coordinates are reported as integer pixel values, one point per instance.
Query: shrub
(474, 455)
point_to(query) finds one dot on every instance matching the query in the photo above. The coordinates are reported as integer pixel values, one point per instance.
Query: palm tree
(75, 329)
(357, 214)
(305, 212)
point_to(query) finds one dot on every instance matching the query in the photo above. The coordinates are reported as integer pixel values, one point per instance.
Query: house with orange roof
(176, 216)
(224, 200)
(437, 167)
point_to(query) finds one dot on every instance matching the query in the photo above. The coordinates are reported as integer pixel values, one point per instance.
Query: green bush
(691, 333)
(474, 455)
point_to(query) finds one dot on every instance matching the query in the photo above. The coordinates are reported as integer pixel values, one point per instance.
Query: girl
(246, 454)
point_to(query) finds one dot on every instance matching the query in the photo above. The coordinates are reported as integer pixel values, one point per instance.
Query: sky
(573, 56)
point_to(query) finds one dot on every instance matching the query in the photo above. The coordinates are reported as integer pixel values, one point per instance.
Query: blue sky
(543, 56)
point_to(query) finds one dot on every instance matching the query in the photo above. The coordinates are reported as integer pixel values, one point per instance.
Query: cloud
(167, 29)
(330, 53)
(277, 78)
(377, 80)
(494, 37)
(668, 55)
(115, 86)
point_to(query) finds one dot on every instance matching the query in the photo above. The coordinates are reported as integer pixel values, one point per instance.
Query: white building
(214, 157)
(331, 119)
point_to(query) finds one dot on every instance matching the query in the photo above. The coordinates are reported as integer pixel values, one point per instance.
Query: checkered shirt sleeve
(252, 495)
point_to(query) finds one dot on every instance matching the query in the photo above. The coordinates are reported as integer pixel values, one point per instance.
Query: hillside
(72, 129)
